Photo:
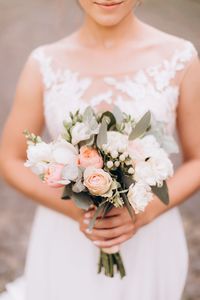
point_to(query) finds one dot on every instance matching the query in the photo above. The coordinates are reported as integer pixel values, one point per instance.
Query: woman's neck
(95, 35)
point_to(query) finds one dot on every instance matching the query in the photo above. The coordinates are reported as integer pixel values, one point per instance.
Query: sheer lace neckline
(155, 88)
(173, 58)
(161, 73)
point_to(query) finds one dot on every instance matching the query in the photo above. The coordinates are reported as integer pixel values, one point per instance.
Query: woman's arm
(186, 179)
(27, 113)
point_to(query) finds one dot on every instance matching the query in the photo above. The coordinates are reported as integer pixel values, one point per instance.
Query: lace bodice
(154, 87)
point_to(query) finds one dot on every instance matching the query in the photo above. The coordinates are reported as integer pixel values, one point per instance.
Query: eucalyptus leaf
(110, 118)
(89, 119)
(67, 192)
(97, 213)
(82, 200)
(128, 206)
(118, 114)
(108, 207)
(88, 114)
(141, 127)
(166, 141)
(162, 192)
(78, 187)
(102, 136)
(128, 181)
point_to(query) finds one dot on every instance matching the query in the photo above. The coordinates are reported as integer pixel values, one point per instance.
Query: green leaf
(97, 213)
(107, 208)
(118, 114)
(128, 181)
(67, 192)
(66, 136)
(162, 192)
(110, 118)
(82, 200)
(129, 207)
(102, 136)
(78, 187)
(88, 114)
(141, 127)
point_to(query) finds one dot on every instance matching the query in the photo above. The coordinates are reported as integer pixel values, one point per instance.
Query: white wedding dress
(62, 262)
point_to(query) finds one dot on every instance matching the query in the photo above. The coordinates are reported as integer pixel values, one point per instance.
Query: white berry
(122, 149)
(114, 154)
(117, 163)
(122, 157)
(128, 162)
(109, 164)
(125, 154)
(131, 171)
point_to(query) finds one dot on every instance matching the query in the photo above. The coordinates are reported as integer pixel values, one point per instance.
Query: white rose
(66, 154)
(39, 168)
(140, 149)
(38, 156)
(162, 165)
(155, 170)
(116, 141)
(139, 196)
(81, 132)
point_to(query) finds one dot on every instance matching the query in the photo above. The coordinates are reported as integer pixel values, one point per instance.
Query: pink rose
(53, 175)
(89, 157)
(97, 181)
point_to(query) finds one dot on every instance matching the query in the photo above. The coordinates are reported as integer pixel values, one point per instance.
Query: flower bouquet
(106, 159)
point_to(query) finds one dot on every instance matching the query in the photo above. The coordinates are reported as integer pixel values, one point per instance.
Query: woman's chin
(108, 21)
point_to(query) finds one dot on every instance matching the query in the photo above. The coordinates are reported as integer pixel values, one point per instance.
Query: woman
(113, 58)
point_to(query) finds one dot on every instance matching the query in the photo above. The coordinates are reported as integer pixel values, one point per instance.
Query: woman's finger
(110, 222)
(113, 242)
(112, 233)
(113, 212)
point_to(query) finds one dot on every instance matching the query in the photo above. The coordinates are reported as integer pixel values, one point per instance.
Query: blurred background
(23, 26)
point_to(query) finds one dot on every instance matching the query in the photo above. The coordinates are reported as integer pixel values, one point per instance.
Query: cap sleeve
(45, 65)
(187, 57)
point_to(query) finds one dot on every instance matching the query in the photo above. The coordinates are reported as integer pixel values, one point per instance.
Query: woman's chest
(134, 95)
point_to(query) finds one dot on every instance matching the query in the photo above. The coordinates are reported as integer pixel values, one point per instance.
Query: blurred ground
(27, 24)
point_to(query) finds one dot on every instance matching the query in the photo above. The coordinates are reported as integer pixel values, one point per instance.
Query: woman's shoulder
(167, 44)
(55, 49)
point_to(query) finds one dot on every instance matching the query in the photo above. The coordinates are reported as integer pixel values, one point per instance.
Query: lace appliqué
(148, 89)
(52, 77)
(166, 71)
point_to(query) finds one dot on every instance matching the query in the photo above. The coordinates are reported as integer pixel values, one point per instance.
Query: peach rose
(89, 157)
(53, 175)
(97, 181)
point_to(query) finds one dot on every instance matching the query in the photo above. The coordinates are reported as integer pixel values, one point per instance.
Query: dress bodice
(155, 87)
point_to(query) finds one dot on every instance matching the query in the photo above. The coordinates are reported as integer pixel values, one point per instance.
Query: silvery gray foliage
(166, 141)
(141, 127)
(89, 119)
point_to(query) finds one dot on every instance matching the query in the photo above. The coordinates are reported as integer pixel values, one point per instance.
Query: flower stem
(107, 262)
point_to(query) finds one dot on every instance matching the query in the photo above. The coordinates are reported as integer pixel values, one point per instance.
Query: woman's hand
(116, 228)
